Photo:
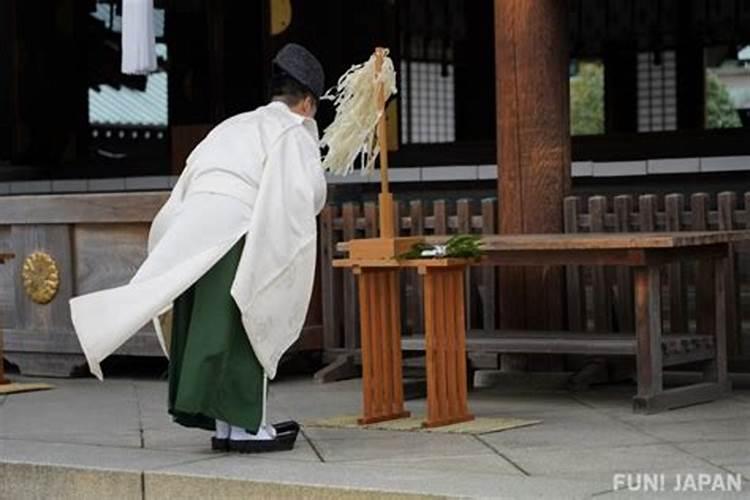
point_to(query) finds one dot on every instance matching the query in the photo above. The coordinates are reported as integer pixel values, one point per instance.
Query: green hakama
(213, 371)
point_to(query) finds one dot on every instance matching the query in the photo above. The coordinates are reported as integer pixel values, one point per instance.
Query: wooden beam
(680, 397)
(531, 51)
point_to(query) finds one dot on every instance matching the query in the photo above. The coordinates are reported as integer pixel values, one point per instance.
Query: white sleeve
(295, 151)
(319, 185)
(275, 275)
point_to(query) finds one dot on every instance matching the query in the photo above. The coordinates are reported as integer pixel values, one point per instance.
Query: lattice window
(427, 102)
(657, 91)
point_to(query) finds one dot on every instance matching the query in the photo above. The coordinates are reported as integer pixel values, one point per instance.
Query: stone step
(20, 481)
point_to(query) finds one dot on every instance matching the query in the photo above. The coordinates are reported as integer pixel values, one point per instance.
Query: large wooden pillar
(533, 124)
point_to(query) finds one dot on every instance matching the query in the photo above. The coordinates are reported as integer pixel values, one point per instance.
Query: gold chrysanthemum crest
(41, 277)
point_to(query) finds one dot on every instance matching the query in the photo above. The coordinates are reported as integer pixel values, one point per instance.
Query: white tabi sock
(265, 432)
(222, 429)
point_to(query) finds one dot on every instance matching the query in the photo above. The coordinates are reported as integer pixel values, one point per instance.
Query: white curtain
(138, 39)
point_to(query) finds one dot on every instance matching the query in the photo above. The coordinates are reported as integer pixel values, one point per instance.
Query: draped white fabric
(138, 37)
(256, 175)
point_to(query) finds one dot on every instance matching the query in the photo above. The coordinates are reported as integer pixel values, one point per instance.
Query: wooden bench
(647, 255)
(676, 348)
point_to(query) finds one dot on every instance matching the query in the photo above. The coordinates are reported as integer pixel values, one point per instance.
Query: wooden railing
(688, 293)
(598, 299)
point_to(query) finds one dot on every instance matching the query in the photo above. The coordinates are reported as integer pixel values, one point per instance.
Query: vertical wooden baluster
(489, 273)
(704, 278)
(674, 204)
(727, 204)
(602, 289)
(340, 277)
(413, 280)
(463, 226)
(349, 223)
(327, 249)
(398, 211)
(371, 220)
(440, 222)
(623, 208)
(647, 213)
(574, 274)
(647, 207)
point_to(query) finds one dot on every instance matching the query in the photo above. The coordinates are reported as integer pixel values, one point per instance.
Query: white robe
(256, 175)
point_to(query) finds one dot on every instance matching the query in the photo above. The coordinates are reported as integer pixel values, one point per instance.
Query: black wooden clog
(219, 444)
(286, 436)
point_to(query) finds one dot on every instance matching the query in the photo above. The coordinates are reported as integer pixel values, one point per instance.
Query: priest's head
(297, 79)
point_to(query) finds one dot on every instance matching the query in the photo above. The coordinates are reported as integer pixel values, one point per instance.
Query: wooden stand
(380, 325)
(445, 344)
(374, 262)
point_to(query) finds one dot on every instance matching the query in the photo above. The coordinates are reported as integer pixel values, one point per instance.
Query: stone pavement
(111, 440)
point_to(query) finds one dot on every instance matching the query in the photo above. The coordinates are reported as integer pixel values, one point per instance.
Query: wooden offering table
(647, 254)
(380, 324)
(3, 258)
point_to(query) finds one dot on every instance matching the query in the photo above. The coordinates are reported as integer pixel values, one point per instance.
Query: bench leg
(648, 327)
(716, 370)
(651, 396)
(471, 371)
(343, 367)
